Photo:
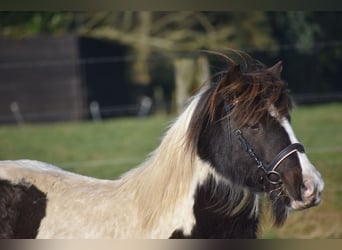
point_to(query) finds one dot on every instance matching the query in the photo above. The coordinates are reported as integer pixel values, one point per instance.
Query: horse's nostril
(310, 193)
(308, 189)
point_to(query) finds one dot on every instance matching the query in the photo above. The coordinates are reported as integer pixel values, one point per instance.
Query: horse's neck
(195, 203)
(164, 185)
(171, 194)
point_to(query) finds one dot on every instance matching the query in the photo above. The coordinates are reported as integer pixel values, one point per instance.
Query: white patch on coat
(308, 169)
(311, 177)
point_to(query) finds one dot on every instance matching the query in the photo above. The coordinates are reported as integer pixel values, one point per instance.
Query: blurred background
(93, 92)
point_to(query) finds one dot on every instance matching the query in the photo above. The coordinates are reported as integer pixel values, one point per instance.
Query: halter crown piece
(269, 170)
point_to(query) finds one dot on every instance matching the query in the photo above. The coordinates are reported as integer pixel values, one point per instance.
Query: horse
(229, 151)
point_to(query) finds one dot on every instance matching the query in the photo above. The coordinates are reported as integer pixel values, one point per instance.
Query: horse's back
(30, 171)
(36, 172)
(33, 164)
(44, 201)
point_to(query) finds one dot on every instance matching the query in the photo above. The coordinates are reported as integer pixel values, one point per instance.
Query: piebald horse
(232, 146)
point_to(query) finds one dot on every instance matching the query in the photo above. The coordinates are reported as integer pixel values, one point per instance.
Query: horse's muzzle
(311, 195)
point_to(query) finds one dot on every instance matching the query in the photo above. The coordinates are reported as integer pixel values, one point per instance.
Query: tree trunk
(202, 73)
(190, 73)
(141, 74)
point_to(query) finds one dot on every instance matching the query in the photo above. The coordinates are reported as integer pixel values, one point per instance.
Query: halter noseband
(270, 173)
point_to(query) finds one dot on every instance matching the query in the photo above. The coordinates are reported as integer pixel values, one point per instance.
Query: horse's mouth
(283, 196)
(311, 197)
(300, 205)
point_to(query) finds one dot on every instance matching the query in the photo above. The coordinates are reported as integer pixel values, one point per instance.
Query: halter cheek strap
(271, 175)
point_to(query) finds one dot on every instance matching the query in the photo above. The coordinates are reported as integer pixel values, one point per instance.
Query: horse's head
(241, 127)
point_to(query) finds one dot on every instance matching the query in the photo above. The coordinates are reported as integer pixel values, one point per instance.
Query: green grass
(104, 149)
(109, 148)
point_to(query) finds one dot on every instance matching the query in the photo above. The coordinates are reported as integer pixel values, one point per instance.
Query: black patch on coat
(22, 207)
(213, 202)
(214, 141)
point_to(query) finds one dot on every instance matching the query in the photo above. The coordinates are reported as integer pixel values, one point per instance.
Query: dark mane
(250, 88)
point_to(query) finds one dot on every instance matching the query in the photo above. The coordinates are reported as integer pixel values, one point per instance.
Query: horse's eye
(254, 127)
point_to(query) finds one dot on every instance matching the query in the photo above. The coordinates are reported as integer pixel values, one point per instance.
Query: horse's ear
(233, 74)
(276, 69)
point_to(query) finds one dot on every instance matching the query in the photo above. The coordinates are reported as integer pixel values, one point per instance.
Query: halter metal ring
(271, 180)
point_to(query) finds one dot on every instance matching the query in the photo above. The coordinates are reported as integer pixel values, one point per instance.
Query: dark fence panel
(58, 78)
(40, 76)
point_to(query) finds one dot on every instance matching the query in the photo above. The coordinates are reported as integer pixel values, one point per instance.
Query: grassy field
(109, 148)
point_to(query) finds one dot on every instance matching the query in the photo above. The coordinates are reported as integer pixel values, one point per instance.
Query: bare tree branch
(159, 25)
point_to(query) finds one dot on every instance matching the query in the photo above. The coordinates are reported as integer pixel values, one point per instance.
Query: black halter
(272, 176)
(270, 173)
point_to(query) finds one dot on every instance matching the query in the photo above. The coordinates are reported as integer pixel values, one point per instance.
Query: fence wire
(155, 57)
